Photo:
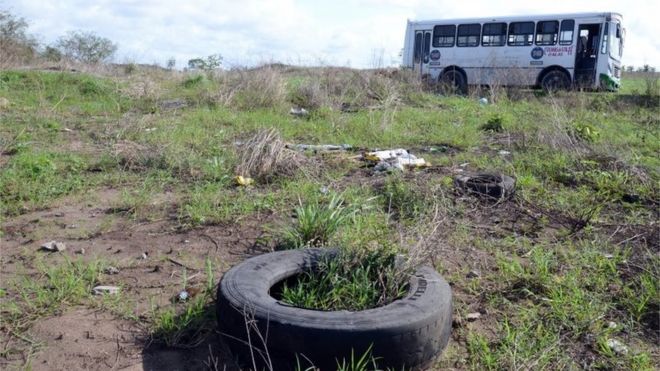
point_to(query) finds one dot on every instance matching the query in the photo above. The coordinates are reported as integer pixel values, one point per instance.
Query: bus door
(422, 51)
(586, 58)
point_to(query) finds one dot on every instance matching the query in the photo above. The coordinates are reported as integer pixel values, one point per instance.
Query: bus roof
(517, 18)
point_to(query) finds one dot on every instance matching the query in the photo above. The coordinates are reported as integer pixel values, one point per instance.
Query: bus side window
(546, 32)
(566, 32)
(493, 34)
(443, 36)
(521, 33)
(468, 34)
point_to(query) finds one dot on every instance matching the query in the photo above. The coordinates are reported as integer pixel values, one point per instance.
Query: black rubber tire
(409, 332)
(555, 80)
(454, 82)
(494, 186)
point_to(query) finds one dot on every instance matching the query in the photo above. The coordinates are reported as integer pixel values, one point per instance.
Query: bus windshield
(616, 41)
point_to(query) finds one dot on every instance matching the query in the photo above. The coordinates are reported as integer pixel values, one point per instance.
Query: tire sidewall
(410, 331)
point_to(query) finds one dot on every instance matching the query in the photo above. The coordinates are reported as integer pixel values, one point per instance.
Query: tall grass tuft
(317, 221)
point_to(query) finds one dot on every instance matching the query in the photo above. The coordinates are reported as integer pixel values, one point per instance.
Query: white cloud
(295, 31)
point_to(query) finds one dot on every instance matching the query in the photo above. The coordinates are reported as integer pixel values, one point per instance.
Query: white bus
(554, 51)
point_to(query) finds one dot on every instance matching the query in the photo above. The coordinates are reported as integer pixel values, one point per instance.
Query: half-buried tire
(407, 333)
(493, 186)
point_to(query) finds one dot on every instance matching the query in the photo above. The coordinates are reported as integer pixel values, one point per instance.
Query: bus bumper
(609, 83)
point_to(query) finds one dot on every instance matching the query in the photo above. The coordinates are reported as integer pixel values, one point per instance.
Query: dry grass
(265, 157)
(253, 89)
(559, 134)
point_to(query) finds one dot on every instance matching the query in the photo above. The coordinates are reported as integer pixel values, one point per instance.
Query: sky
(353, 33)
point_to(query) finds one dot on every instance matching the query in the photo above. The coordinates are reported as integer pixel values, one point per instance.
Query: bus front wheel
(555, 80)
(453, 82)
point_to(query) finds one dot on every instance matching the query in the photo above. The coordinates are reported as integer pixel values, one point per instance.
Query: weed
(494, 124)
(317, 221)
(404, 200)
(353, 280)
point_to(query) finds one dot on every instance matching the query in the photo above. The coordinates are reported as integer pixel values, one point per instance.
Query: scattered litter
(149, 130)
(81, 251)
(483, 101)
(53, 246)
(186, 294)
(103, 290)
(72, 226)
(504, 153)
(617, 346)
(611, 324)
(111, 270)
(608, 256)
(464, 164)
(441, 148)
(473, 316)
(243, 181)
(631, 198)
(473, 274)
(319, 147)
(324, 190)
(299, 112)
(182, 296)
(144, 256)
(186, 241)
(67, 130)
(394, 159)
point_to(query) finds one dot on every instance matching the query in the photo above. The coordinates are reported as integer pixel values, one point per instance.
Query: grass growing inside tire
(353, 280)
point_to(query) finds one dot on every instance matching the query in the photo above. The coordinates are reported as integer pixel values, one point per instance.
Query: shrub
(16, 44)
(86, 47)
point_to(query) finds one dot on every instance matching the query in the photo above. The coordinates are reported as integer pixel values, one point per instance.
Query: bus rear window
(546, 32)
(521, 33)
(566, 33)
(443, 36)
(468, 34)
(493, 34)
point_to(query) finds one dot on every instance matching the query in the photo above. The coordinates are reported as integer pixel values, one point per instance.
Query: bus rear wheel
(555, 80)
(453, 82)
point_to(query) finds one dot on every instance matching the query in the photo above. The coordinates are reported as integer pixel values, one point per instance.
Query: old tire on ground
(555, 80)
(454, 82)
(409, 332)
(495, 186)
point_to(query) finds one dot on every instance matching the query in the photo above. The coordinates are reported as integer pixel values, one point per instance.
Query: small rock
(611, 324)
(81, 251)
(473, 316)
(53, 246)
(483, 101)
(72, 226)
(103, 290)
(111, 270)
(186, 241)
(473, 274)
(617, 346)
(4, 102)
